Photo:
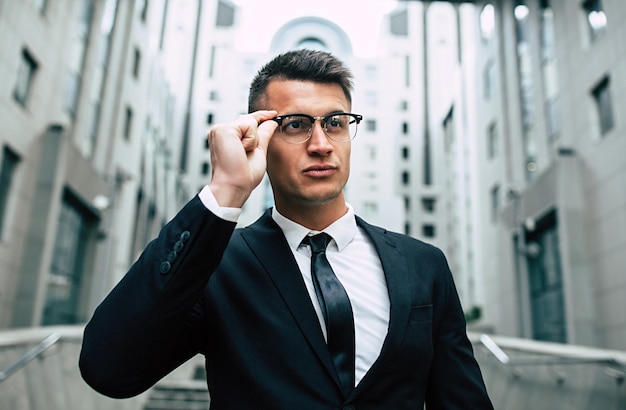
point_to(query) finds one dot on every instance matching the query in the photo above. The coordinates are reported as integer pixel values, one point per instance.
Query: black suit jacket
(238, 297)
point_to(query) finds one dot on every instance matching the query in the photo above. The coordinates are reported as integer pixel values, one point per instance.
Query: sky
(360, 19)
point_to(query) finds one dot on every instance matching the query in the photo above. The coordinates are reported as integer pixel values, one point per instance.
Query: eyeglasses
(298, 128)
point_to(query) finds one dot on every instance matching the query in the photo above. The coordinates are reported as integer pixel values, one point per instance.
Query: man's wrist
(210, 202)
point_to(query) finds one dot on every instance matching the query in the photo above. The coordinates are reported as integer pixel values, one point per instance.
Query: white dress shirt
(357, 266)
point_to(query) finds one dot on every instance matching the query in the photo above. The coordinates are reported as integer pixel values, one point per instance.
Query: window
(596, 17)
(206, 144)
(553, 123)
(370, 125)
(371, 72)
(495, 202)
(487, 21)
(405, 152)
(428, 230)
(143, 6)
(9, 162)
(372, 152)
(399, 23)
(225, 15)
(209, 118)
(136, 62)
(205, 168)
(406, 177)
(492, 140)
(407, 228)
(546, 31)
(428, 204)
(405, 128)
(404, 105)
(371, 98)
(65, 276)
(407, 203)
(128, 122)
(602, 95)
(489, 78)
(25, 74)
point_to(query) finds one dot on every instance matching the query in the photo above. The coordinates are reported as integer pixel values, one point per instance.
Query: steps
(178, 395)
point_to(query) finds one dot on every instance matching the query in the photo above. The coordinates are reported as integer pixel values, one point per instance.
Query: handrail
(553, 353)
(30, 355)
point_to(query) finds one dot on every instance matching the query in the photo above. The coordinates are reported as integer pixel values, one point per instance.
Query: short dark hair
(303, 65)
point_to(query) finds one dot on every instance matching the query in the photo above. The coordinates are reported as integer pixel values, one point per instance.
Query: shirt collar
(342, 230)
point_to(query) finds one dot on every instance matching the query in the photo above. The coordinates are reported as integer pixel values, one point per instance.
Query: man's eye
(334, 123)
(296, 124)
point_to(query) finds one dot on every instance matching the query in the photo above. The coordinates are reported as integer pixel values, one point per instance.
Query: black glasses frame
(279, 119)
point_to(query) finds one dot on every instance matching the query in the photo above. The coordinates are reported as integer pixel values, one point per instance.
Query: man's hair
(300, 65)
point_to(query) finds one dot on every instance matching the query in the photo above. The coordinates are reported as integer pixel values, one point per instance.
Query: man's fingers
(257, 128)
(265, 132)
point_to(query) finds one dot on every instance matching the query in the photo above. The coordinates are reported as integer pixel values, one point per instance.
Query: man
(391, 336)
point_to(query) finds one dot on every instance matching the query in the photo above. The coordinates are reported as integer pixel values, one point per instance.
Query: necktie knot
(318, 242)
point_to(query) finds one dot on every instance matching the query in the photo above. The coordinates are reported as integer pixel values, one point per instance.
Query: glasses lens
(295, 128)
(341, 127)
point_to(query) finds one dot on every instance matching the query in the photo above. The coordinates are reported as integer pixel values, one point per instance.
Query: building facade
(546, 138)
(91, 146)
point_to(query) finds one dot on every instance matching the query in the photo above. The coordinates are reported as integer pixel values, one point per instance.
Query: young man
(255, 302)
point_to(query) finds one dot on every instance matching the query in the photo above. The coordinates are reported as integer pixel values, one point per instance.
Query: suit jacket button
(178, 246)
(165, 267)
(172, 257)
(184, 236)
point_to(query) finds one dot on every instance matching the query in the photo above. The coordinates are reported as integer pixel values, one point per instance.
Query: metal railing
(33, 335)
(534, 352)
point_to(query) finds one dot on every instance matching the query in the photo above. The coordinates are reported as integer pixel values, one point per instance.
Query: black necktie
(336, 309)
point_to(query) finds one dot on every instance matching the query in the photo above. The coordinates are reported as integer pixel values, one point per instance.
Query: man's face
(316, 171)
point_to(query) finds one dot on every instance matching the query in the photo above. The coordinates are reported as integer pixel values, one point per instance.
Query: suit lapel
(396, 272)
(268, 244)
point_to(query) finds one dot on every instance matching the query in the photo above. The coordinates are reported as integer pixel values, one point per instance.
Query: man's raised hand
(238, 156)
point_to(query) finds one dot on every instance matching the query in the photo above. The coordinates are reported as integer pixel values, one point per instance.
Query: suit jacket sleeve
(143, 328)
(455, 380)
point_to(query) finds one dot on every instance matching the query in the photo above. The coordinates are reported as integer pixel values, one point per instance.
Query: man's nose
(319, 141)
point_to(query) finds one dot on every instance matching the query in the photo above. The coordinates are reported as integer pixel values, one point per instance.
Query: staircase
(178, 395)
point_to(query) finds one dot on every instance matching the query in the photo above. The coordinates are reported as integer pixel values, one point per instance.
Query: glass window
(487, 21)
(428, 230)
(405, 152)
(495, 202)
(370, 125)
(64, 279)
(399, 23)
(602, 95)
(489, 78)
(128, 121)
(143, 6)
(371, 98)
(428, 204)
(406, 177)
(596, 17)
(136, 62)
(225, 15)
(9, 162)
(371, 72)
(492, 141)
(25, 75)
